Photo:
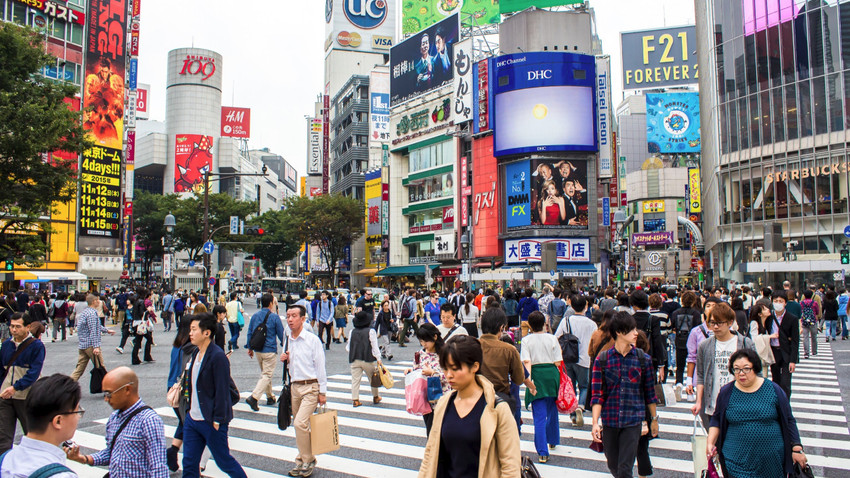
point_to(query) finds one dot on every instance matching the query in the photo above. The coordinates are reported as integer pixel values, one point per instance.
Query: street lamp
(623, 224)
(464, 244)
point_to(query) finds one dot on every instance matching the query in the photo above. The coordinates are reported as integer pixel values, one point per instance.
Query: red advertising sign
(55, 10)
(192, 158)
(131, 148)
(137, 7)
(326, 141)
(134, 43)
(427, 228)
(141, 102)
(483, 97)
(196, 65)
(449, 215)
(235, 122)
(315, 192)
(128, 208)
(485, 201)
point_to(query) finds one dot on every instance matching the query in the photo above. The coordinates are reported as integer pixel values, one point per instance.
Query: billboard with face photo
(559, 193)
(423, 62)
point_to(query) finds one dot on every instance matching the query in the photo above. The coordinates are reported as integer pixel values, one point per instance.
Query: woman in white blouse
(470, 316)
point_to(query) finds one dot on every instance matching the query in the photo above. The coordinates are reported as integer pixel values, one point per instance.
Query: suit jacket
(213, 386)
(789, 337)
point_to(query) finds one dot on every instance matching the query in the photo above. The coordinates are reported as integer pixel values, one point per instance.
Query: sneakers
(579, 417)
(119, 350)
(271, 401)
(677, 390)
(252, 402)
(543, 459)
(307, 468)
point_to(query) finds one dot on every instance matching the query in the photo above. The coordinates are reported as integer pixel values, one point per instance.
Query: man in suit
(786, 349)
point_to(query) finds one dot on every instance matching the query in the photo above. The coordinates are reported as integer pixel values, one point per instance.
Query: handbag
(375, 380)
(567, 400)
(240, 319)
(435, 388)
(764, 350)
(386, 378)
(284, 400)
(97, 374)
(699, 442)
(415, 394)
(800, 472)
(175, 393)
(528, 470)
(324, 431)
(711, 471)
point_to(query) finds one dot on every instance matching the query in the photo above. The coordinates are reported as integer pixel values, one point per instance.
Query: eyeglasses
(745, 370)
(712, 323)
(79, 412)
(108, 395)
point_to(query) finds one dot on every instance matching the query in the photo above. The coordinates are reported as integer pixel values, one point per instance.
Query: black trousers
(643, 460)
(780, 372)
(429, 420)
(125, 332)
(621, 445)
(681, 359)
(326, 327)
(11, 411)
(137, 345)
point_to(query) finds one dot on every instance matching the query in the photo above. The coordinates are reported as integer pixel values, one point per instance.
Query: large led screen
(423, 62)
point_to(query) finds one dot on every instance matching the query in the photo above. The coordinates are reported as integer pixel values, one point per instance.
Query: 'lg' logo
(198, 67)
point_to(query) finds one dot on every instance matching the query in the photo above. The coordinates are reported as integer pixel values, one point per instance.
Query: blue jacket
(214, 386)
(526, 306)
(32, 357)
(842, 304)
(274, 329)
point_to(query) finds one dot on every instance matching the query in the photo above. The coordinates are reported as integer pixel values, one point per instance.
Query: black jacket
(658, 350)
(213, 386)
(789, 337)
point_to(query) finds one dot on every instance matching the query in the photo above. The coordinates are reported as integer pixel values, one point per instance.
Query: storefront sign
(431, 118)
(652, 238)
(56, 10)
(448, 215)
(463, 81)
(695, 196)
(379, 107)
(603, 115)
(423, 260)
(134, 38)
(524, 251)
(835, 167)
(196, 65)
(131, 148)
(235, 122)
(659, 58)
(314, 146)
(142, 111)
(606, 212)
(653, 206)
(385, 209)
(426, 228)
(130, 111)
(444, 244)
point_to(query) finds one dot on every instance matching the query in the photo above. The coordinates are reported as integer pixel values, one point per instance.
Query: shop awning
(366, 272)
(395, 271)
(24, 275)
(58, 275)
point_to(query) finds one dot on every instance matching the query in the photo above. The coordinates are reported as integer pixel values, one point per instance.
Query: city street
(384, 441)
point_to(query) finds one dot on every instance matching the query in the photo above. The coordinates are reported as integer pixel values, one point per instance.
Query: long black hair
(430, 333)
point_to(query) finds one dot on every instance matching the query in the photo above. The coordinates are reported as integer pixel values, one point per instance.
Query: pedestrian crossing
(385, 441)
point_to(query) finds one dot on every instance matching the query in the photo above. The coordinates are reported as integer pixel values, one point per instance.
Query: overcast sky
(273, 55)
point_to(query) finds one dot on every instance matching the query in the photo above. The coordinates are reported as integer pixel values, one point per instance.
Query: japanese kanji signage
(524, 251)
(462, 65)
(444, 244)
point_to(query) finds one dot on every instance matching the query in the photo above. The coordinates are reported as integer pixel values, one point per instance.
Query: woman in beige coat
(478, 436)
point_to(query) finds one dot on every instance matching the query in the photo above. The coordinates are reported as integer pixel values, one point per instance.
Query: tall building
(774, 95)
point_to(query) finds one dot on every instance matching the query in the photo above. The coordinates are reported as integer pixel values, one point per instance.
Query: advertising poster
(100, 192)
(142, 94)
(440, 186)
(419, 14)
(486, 201)
(314, 146)
(423, 62)
(547, 194)
(235, 122)
(463, 89)
(317, 260)
(192, 158)
(659, 58)
(695, 190)
(518, 194)
(481, 77)
(510, 6)
(672, 123)
(361, 25)
(604, 116)
(379, 107)
(524, 251)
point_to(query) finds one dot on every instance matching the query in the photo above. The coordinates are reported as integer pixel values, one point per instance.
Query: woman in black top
(740, 315)
(830, 315)
(220, 314)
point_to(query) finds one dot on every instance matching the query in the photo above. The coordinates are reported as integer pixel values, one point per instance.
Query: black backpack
(407, 307)
(569, 345)
(258, 337)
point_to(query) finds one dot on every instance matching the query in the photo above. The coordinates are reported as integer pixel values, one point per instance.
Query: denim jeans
(197, 435)
(234, 333)
(844, 332)
(831, 328)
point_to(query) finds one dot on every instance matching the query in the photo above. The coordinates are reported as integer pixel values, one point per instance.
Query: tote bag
(415, 395)
(699, 441)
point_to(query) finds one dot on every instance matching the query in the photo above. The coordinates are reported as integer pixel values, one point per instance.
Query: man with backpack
(556, 310)
(576, 331)
(683, 320)
(407, 313)
(651, 327)
(810, 311)
(264, 331)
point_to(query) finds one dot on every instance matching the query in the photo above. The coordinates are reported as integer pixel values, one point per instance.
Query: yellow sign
(695, 194)
(653, 206)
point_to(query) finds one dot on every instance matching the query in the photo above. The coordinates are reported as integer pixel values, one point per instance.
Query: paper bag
(324, 431)
(699, 442)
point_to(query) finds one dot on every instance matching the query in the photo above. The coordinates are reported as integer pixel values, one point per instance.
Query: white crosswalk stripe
(393, 441)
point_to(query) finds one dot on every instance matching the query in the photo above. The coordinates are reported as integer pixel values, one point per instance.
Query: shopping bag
(415, 395)
(284, 401)
(711, 471)
(240, 319)
(435, 388)
(386, 378)
(324, 431)
(764, 350)
(699, 441)
(97, 374)
(666, 395)
(567, 400)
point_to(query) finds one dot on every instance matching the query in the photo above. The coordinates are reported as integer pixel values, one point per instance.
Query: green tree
(34, 122)
(331, 222)
(189, 215)
(148, 218)
(279, 241)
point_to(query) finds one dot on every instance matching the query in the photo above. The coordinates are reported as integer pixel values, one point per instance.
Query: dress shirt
(583, 328)
(89, 328)
(325, 312)
(775, 328)
(307, 359)
(30, 455)
(140, 449)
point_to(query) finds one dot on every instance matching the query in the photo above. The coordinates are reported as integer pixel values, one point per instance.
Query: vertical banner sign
(131, 149)
(606, 212)
(465, 191)
(103, 103)
(137, 8)
(326, 142)
(462, 64)
(130, 112)
(379, 107)
(603, 114)
(134, 72)
(314, 146)
(142, 111)
(134, 38)
(385, 209)
(694, 183)
(482, 102)
(621, 176)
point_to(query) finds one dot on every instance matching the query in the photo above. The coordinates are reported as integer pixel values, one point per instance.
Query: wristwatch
(653, 419)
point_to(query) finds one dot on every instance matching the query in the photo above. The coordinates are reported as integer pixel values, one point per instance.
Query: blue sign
(672, 123)
(606, 211)
(518, 194)
(209, 247)
(365, 14)
(847, 231)
(134, 72)
(191, 263)
(65, 74)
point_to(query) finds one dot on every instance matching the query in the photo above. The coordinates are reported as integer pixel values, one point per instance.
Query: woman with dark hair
(541, 356)
(741, 319)
(510, 307)
(682, 321)
(469, 315)
(475, 434)
(383, 326)
(60, 315)
(757, 331)
(140, 318)
(220, 313)
(552, 208)
(830, 315)
(753, 429)
(428, 360)
(181, 351)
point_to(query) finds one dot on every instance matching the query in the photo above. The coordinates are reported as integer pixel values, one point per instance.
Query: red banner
(485, 202)
(235, 122)
(192, 158)
(141, 101)
(131, 148)
(137, 7)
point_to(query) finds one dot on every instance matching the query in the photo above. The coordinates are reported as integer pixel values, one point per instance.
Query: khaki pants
(83, 361)
(305, 400)
(358, 368)
(267, 362)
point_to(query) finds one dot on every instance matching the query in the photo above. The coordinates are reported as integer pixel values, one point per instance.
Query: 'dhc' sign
(198, 65)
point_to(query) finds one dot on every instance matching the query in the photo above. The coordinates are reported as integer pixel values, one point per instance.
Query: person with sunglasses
(135, 438)
(712, 369)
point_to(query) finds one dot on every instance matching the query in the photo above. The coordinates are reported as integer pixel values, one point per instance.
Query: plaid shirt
(139, 452)
(89, 328)
(624, 403)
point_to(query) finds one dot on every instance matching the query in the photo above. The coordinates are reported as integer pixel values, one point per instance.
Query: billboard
(524, 251)
(486, 200)
(481, 78)
(672, 123)
(547, 194)
(423, 62)
(604, 116)
(290, 176)
(463, 89)
(314, 146)
(379, 107)
(652, 238)
(192, 158)
(360, 25)
(695, 200)
(235, 122)
(544, 101)
(142, 101)
(100, 192)
(421, 14)
(653, 206)
(373, 196)
(510, 6)
(659, 58)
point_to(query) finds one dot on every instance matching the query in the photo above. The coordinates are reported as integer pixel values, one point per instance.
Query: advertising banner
(439, 186)
(654, 225)
(463, 67)
(317, 260)
(130, 111)
(653, 206)
(314, 146)
(672, 123)
(379, 107)
(695, 190)
(544, 101)
(652, 238)
(373, 196)
(235, 122)
(326, 142)
(606, 212)
(131, 149)
(428, 120)
(659, 58)
(55, 10)
(134, 73)
(423, 62)
(481, 78)
(604, 116)
(444, 244)
(360, 25)
(421, 14)
(524, 251)
(485, 200)
(556, 194)
(510, 6)
(192, 158)
(142, 93)
(100, 192)
(385, 209)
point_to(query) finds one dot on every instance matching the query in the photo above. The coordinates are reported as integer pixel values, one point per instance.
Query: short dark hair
(751, 355)
(448, 307)
(233, 296)
(536, 320)
(557, 292)
(462, 350)
(206, 321)
(48, 397)
(302, 311)
(639, 300)
(780, 294)
(266, 300)
(671, 292)
(578, 303)
(303, 294)
(622, 323)
(807, 293)
(492, 320)
(219, 309)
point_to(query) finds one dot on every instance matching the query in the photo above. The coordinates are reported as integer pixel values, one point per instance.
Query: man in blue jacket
(21, 360)
(267, 355)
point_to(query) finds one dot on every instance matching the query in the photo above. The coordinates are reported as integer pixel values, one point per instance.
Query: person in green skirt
(541, 356)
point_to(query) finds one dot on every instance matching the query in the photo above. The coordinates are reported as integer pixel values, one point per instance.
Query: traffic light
(10, 265)
(845, 256)
(254, 231)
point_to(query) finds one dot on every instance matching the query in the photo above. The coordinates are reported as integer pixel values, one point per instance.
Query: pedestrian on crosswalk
(309, 385)
(474, 432)
(268, 324)
(363, 355)
(89, 331)
(428, 361)
(786, 348)
(21, 359)
(384, 323)
(541, 355)
(340, 319)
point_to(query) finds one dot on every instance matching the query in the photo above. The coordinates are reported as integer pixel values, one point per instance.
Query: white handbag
(699, 442)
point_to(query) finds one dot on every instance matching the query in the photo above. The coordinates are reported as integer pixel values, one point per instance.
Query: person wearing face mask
(786, 347)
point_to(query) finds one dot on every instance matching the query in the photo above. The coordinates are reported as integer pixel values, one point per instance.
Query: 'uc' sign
(365, 14)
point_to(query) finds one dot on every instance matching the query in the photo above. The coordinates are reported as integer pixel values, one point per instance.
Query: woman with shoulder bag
(383, 326)
(428, 361)
(140, 329)
(363, 355)
(474, 432)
